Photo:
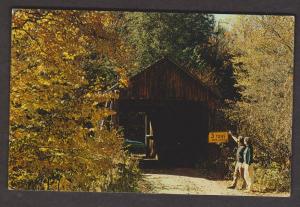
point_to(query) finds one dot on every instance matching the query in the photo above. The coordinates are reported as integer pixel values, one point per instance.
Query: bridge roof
(165, 80)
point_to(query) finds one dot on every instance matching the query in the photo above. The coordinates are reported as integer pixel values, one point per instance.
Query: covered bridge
(169, 109)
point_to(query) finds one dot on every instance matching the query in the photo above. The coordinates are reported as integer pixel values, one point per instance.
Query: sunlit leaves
(263, 46)
(55, 139)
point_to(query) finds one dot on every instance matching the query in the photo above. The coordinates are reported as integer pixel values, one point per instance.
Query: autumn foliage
(263, 48)
(56, 103)
(63, 64)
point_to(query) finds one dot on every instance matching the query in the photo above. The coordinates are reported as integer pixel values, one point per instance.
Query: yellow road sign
(218, 137)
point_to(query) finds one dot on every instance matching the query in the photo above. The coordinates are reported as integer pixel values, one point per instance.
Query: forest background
(63, 62)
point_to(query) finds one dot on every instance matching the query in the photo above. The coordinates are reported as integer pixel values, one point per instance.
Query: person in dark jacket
(248, 164)
(238, 170)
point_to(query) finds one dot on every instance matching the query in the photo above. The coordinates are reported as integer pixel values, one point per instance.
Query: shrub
(125, 177)
(96, 164)
(272, 178)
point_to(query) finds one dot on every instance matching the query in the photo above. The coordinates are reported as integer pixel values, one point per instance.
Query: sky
(225, 19)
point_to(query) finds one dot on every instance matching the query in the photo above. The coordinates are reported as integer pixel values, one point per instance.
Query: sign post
(218, 137)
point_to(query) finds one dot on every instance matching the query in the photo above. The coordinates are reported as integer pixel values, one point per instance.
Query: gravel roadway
(188, 181)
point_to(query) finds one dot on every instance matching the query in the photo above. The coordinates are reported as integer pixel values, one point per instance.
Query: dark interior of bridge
(176, 131)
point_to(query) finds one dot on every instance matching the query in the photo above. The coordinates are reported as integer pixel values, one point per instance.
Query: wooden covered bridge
(169, 109)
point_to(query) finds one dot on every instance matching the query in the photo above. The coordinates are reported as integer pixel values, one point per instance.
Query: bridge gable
(166, 81)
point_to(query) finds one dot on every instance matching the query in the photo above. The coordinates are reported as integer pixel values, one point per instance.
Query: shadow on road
(156, 167)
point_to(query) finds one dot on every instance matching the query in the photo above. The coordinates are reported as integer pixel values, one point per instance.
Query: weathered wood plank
(165, 80)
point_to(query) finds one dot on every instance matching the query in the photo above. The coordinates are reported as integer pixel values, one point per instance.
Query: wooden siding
(164, 80)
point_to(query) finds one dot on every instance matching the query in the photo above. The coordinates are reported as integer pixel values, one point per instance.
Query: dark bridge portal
(175, 112)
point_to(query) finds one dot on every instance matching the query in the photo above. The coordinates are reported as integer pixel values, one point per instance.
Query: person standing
(248, 164)
(238, 170)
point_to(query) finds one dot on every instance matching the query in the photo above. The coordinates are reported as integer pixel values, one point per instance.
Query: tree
(56, 101)
(190, 39)
(263, 46)
(154, 35)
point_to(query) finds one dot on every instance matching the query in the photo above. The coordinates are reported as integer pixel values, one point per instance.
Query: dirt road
(188, 181)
